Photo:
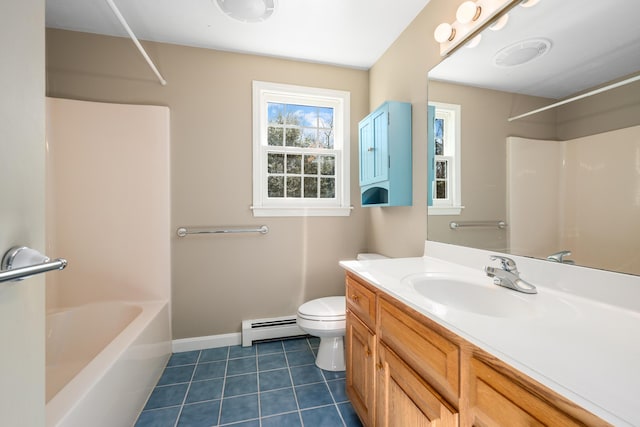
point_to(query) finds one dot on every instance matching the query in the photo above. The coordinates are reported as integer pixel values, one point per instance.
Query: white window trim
(454, 205)
(340, 100)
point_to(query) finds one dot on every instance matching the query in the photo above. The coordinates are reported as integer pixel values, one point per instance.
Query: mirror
(564, 179)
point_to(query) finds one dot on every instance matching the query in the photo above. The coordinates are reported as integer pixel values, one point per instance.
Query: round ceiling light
(521, 52)
(247, 10)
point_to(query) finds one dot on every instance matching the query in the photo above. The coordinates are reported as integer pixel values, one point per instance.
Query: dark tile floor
(273, 384)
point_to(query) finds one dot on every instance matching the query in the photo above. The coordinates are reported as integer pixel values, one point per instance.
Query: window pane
(275, 186)
(441, 169)
(275, 136)
(441, 189)
(293, 186)
(275, 163)
(302, 115)
(311, 165)
(438, 130)
(294, 163)
(293, 137)
(325, 116)
(310, 187)
(275, 113)
(309, 137)
(328, 165)
(325, 138)
(327, 188)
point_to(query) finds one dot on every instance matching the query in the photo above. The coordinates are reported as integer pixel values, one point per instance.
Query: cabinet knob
(367, 352)
(355, 298)
(371, 149)
(379, 366)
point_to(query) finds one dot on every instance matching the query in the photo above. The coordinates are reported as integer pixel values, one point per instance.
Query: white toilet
(325, 318)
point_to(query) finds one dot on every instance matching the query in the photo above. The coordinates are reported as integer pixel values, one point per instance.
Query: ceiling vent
(247, 10)
(521, 52)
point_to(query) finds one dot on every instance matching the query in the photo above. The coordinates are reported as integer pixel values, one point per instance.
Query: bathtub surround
(108, 322)
(569, 187)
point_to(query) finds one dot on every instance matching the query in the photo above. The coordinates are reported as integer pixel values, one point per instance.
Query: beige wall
(401, 75)
(108, 183)
(218, 281)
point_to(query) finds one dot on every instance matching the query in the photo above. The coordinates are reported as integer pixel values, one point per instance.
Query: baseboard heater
(266, 329)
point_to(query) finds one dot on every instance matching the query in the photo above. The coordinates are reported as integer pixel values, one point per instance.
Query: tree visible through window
(300, 150)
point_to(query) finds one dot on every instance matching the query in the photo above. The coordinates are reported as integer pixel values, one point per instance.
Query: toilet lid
(328, 308)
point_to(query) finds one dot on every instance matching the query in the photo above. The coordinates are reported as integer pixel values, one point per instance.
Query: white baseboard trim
(211, 341)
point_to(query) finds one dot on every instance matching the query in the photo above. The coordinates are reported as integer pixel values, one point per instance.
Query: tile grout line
(293, 388)
(224, 383)
(258, 385)
(184, 399)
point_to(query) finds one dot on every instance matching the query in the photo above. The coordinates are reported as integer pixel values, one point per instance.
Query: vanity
(485, 355)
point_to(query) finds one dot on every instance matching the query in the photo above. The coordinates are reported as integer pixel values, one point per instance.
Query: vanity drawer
(499, 395)
(361, 300)
(428, 352)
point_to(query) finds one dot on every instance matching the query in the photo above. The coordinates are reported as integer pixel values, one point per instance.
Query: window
(444, 159)
(300, 151)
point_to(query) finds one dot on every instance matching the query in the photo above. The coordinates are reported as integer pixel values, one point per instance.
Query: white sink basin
(445, 292)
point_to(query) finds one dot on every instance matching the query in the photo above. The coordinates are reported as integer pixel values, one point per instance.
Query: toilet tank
(369, 256)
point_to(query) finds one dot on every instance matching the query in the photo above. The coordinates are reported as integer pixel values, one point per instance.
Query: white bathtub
(103, 360)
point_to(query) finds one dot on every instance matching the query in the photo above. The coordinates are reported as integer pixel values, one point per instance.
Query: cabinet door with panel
(373, 147)
(404, 398)
(360, 350)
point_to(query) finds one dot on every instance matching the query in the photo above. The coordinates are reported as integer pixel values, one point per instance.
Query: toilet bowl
(326, 318)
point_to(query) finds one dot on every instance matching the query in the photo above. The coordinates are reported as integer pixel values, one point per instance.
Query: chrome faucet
(559, 257)
(508, 276)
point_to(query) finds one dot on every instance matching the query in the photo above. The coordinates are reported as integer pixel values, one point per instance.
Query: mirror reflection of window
(444, 159)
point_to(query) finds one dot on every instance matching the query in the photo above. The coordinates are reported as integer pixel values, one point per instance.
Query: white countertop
(585, 350)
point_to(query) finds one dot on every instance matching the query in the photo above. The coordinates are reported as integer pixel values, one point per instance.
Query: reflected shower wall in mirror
(567, 178)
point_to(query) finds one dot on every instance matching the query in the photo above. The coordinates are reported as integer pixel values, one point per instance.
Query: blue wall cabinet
(385, 156)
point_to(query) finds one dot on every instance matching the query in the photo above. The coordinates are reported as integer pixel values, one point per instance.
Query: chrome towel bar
(12, 271)
(460, 224)
(183, 231)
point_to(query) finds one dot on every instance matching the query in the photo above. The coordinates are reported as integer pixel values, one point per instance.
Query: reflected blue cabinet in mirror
(385, 156)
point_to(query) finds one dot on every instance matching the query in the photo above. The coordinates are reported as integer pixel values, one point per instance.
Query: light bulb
(467, 12)
(444, 33)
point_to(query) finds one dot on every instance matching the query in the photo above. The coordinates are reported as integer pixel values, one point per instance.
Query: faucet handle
(507, 263)
(559, 256)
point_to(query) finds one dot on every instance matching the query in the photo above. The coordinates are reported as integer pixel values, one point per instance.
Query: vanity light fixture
(247, 10)
(444, 32)
(468, 11)
(471, 18)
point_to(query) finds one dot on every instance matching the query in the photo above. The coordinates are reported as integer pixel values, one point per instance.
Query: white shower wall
(108, 207)
(584, 195)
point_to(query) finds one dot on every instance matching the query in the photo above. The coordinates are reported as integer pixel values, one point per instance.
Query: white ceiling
(591, 42)
(352, 33)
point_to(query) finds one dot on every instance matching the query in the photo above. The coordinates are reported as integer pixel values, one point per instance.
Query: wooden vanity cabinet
(360, 349)
(404, 369)
(404, 398)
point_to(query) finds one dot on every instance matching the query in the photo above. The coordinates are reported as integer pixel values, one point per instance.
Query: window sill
(445, 210)
(294, 211)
